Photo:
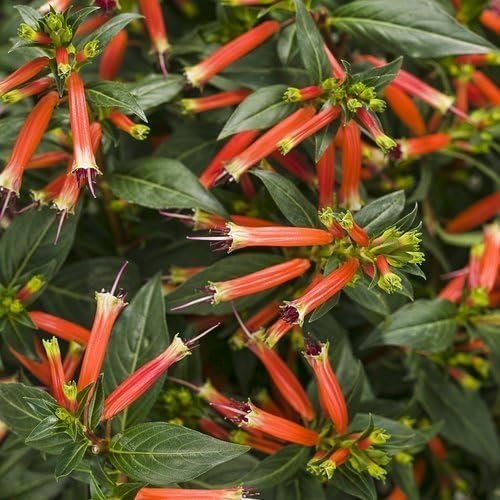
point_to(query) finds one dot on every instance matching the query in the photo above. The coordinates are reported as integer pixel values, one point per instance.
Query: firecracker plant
(306, 193)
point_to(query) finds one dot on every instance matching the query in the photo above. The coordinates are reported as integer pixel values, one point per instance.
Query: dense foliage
(306, 191)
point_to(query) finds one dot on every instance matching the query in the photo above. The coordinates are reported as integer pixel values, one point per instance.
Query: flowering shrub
(345, 155)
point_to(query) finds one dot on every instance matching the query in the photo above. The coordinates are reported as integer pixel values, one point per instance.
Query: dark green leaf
(70, 457)
(304, 487)
(381, 76)
(259, 110)
(17, 335)
(163, 183)
(96, 404)
(291, 202)
(370, 298)
(152, 91)
(418, 28)
(29, 15)
(349, 481)
(162, 454)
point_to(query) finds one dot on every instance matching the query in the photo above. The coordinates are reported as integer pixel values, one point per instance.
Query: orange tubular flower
(66, 330)
(39, 369)
(153, 18)
(490, 260)
(109, 307)
(453, 291)
(307, 129)
(112, 57)
(293, 94)
(251, 417)
(277, 330)
(134, 386)
(295, 163)
(370, 123)
(487, 87)
(234, 237)
(27, 141)
(214, 101)
(475, 215)
(200, 74)
(56, 370)
(48, 159)
(330, 393)
(247, 187)
(213, 429)
(326, 177)
(91, 24)
(337, 70)
(491, 20)
(84, 166)
(236, 493)
(34, 88)
(123, 122)
(479, 59)
(269, 277)
(57, 5)
(266, 144)
(351, 166)
(23, 74)
(49, 191)
(72, 360)
(295, 311)
(259, 443)
(418, 146)
(233, 147)
(405, 109)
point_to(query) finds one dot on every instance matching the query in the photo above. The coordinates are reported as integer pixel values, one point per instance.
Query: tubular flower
(109, 307)
(84, 166)
(475, 215)
(277, 330)
(62, 61)
(453, 291)
(370, 123)
(57, 5)
(34, 88)
(214, 101)
(213, 429)
(247, 187)
(178, 275)
(354, 230)
(155, 24)
(123, 122)
(418, 146)
(491, 20)
(327, 467)
(48, 159)
(26, 32)
(259, 443)
(251, 417)
(266, 144)
(293, 94)
(33, 286)
(295, 163)
(235, 237)
(72, 359)
(490, 261)
(112, 57)
(326, 177)
(304, 130)
(269, 277)
(405, 109)
(27, 141)
(388, 281)
(200, 74)
(47, 193)
(351, 166)
(233, 147)
(56, 370)
(23, 74)
(64, 329)
(330, 393)
(295, 311)
(487, 87)
(479, 59)
(337, 70)
(236, 493)
(134, 386)
(91, 24)
(39, 369)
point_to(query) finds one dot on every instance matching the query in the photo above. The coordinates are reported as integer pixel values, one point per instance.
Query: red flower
(23, 74)
(84, 165)
(72, 360)
(49, 191)
(214, 101)
(109, 307)
(91, 24)
(200, 74)
(388, 281)
(330, 393)
(57, 5)
(487, 87)
(270, 277)
(123, 122)
(491, 20)
(56, 370)
(293, 94)
(112, 57)
(236, 493)
(62, 328)
(370, 123)
(33, 88)
(267, 143)
(39, 369)
(418, 146)
(295, 163)
(48, 159)
(295, 310)
(274, 333)
(27, 141)
(453, 291)
(351, 166)
(475, 215)
(153, 18)
(337, 70)
(490, 260)
(326, 177)
(405, 109)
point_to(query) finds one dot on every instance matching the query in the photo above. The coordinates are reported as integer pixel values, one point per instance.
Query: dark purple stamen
(290, 314)
(313, 348)
(395, 153)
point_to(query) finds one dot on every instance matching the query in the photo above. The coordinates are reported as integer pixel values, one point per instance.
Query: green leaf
(163, 183)
(381, 213)
(96, 404)
(418, 28)
(70, 457)
(28, 14)
(28, 244)
(467, 420)
(19, 336)
(291, 202)
(259, 110)
(349, 481)
(228, 268)
(381, 76)
(370, 298)
(139, 335)
(161, 454)
(115, 95)
(405, 479)
(278, 467)
(427, 325)
(108, 30)
(304, 487)
(310, 44)
(152, 91)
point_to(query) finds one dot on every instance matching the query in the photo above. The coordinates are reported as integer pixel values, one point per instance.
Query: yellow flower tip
(140, 132)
